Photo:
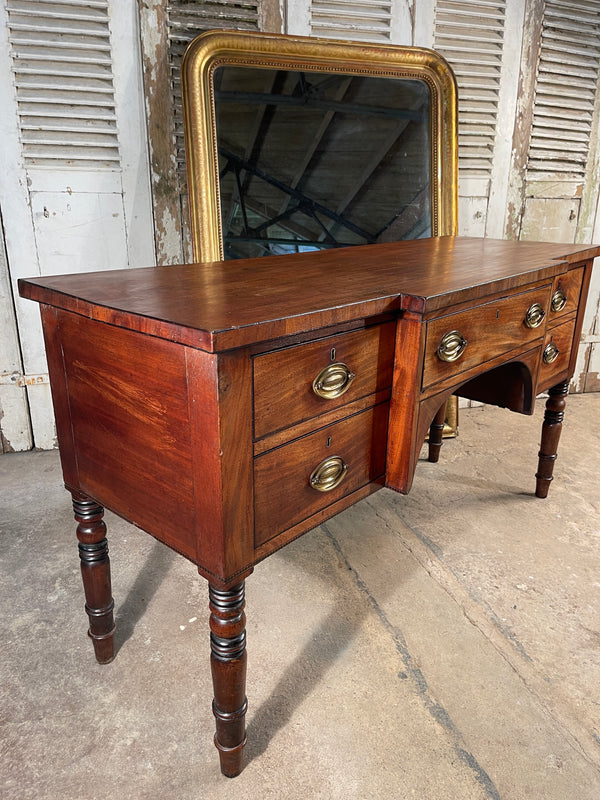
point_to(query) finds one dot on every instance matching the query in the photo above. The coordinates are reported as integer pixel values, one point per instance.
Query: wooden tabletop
(223, 305)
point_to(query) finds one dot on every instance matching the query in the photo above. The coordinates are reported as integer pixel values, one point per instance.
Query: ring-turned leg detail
(436, 432)
(228, 667)
(95, 571)
(551, 428)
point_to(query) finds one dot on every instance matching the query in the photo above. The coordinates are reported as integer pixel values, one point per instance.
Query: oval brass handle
(551, 352)
(559, 300)
(332, 381)
(452, 346)
(328, 474)
(535, 315)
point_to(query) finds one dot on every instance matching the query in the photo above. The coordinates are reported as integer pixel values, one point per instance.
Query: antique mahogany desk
(228, 408)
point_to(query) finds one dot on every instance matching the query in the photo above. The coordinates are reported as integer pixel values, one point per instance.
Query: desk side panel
(60, 394)
(128, 406)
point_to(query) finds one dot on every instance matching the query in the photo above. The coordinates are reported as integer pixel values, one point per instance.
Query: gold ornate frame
(219, 48)
(274, 51)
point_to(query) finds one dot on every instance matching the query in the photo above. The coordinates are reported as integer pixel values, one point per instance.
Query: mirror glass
(310, 160)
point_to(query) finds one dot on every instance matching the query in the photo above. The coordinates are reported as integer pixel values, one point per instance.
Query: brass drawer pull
(332, 381)
(551, 352)
(535, 315)
(452, 346)
(559, 300)
(328, 474)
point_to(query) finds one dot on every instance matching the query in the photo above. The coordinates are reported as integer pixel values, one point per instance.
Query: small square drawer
(297, 480)
(457, 342)
(565, 294)
(556, 353)
(306, 380)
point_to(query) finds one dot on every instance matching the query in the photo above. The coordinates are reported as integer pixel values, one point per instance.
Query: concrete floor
(440, 645)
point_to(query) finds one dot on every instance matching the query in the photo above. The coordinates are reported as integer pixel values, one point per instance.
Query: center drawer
(469, 338)
(295, 481)
(304, 381)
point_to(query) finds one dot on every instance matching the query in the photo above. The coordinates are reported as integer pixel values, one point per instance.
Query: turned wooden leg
(95, 571)
(228, 667)
(436, 431)
(553, 417)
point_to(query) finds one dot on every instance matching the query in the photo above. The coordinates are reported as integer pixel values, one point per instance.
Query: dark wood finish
(95, 572)
(436, 433)
(283, 391)
(220, 400)
(569, 283)
(490, 329)
(551, 430)
(228, 667)
(224, 306)
(562, 337)
(183, 398)
(283, 494)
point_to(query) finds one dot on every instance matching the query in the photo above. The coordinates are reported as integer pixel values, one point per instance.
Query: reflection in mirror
(311, 160)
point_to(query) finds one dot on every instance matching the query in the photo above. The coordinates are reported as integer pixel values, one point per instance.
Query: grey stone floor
(440, 645)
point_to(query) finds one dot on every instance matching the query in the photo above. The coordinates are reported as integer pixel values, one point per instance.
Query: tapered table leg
(95, 571)
(436, 431)
(228, 667)
(551, 428)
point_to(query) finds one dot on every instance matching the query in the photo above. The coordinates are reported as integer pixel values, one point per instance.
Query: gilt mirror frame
(215, 49)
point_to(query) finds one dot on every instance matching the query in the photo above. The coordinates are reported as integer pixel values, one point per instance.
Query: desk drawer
(556, 353)
(565, 294)
(283, 379)
(474, 336)
(283, 494)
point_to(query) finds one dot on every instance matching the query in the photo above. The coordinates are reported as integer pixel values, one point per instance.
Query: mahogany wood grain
(95, 573)
(551, 430)
(283, 494)
(403, 444)
(223, 306)
(182, 398)
(283, 380)
(307, 426)
(228, 667)
(220, 398)
(436, 434)
(130, 426)
(562, 337)
(490, 329)
(60, 395)
(570, 284)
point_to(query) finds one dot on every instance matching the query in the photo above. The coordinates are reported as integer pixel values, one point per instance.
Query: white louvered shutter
(378, 21)
(471, 36)
(74, 178)
(566, 88)
(561, 170)
(360, 20)
(185, 21)
(61, 59)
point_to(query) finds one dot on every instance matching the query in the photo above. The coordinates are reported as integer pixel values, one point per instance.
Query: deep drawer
(283, 379)
(474, 336)
(284, 495)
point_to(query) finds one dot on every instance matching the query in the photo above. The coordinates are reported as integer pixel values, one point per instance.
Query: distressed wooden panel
(550, 220)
